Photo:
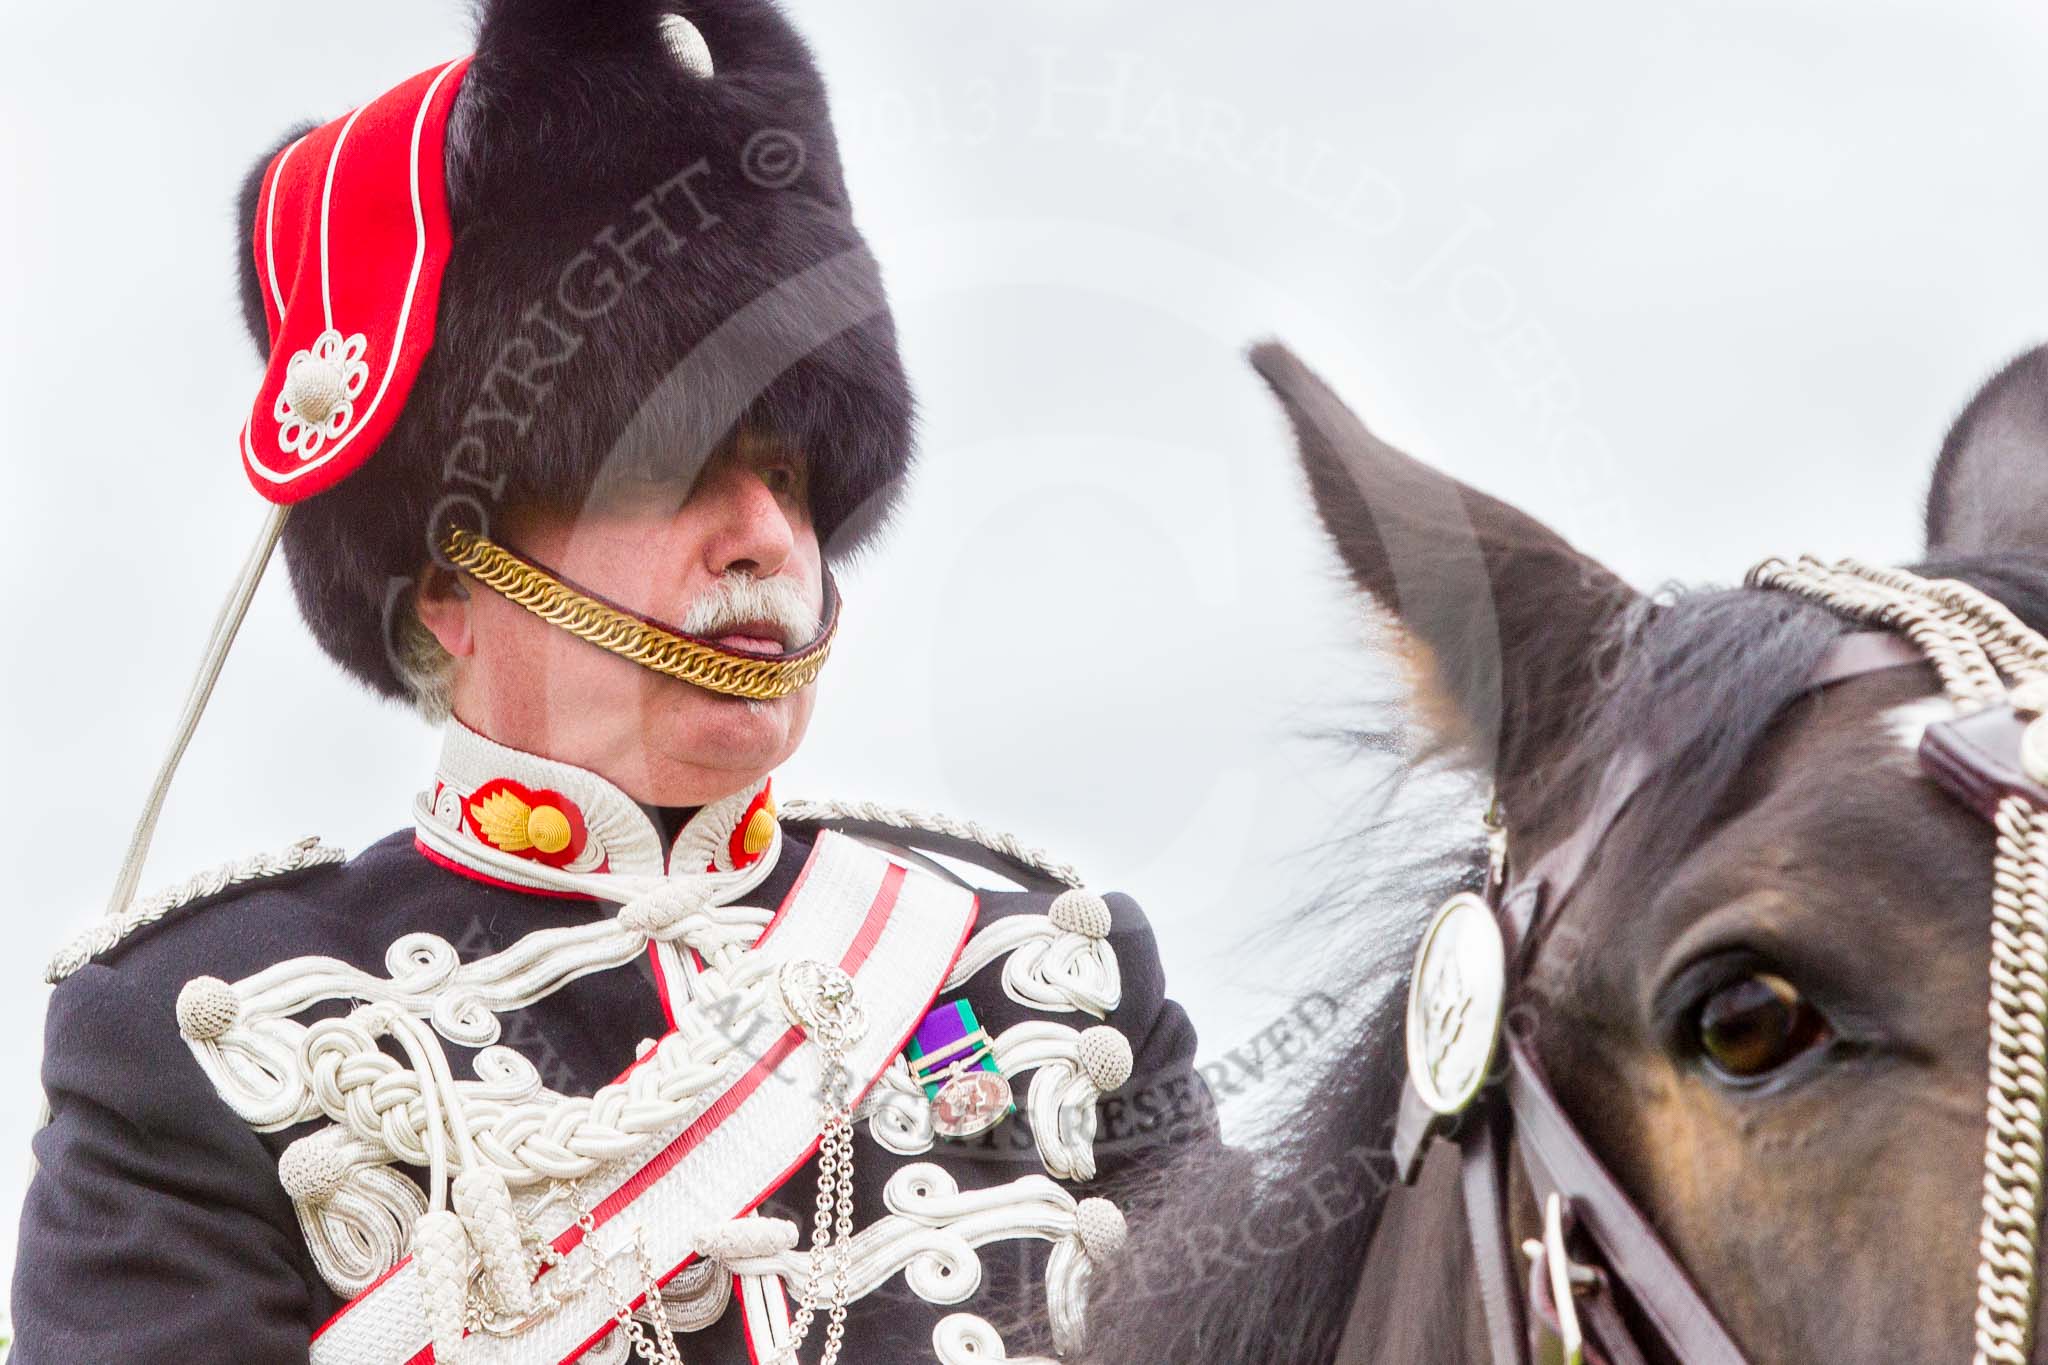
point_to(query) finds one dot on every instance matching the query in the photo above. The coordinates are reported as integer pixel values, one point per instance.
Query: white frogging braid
(1971, 640)
(967, 831)
(385, 1103)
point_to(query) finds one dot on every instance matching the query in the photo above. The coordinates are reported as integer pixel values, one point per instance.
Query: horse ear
(1990, 488)
(1507, 618)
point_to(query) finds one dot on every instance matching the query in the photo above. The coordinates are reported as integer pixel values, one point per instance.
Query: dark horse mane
(1239, 1256)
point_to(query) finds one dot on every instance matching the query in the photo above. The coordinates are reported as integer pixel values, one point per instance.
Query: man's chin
(741, 712)
(702, 739)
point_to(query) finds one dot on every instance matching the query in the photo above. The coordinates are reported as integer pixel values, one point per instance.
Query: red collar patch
(756, 829)
(531, 822)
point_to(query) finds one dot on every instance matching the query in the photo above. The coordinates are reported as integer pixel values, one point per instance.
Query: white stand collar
(508, 816)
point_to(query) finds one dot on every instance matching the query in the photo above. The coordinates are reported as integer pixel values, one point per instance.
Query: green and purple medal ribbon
(945, 1031)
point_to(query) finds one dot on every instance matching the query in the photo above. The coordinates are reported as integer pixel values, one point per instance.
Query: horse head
(1763, 1006)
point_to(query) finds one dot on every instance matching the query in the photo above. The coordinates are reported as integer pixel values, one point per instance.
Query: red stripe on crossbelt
(727, 1104)
(723, 1108)
(878, 916)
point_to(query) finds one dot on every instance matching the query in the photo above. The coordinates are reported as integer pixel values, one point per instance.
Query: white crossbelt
(896, 930)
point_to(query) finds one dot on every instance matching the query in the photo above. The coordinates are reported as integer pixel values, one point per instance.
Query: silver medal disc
(970, 1103)
(1455, 1002)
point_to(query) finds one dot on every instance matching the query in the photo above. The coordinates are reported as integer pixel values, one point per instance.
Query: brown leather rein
(1598, 1248)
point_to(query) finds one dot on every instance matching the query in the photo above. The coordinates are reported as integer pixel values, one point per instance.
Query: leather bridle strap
(1558, 1161)
(1556, 1158)
(1482, 1164)
(1540, 893)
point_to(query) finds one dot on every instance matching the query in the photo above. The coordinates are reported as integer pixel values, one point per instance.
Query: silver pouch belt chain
(820, 1000)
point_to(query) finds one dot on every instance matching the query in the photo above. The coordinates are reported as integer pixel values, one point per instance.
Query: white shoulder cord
(482, 1218)
(225, 625)
(897, 817)
(144, 911)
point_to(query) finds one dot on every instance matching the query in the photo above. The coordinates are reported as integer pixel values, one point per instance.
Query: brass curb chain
(677, 656)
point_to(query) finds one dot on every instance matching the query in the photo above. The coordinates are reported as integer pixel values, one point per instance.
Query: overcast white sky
(1697, 283)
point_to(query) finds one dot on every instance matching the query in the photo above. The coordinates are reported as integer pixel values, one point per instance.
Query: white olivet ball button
(207, 1008)
(1105, 1057)
(314, 388)
(1080, 912)
(311, 1170)
(1101, 1228)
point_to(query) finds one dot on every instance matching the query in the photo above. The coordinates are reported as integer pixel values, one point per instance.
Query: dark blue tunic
(156, 1229)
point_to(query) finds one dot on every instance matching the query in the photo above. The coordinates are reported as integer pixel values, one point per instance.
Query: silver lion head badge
(1455, 1001)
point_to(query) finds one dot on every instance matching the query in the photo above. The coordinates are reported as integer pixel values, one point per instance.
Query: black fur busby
(652, 244)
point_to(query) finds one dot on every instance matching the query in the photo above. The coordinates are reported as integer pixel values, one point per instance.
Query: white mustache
(741, 599)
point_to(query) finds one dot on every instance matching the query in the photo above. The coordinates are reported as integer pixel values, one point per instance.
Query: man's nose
(752, 532)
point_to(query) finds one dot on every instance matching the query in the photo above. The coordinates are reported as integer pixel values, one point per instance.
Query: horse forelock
(1700, 680)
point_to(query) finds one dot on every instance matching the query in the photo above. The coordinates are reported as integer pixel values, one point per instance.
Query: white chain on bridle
(1976, 645)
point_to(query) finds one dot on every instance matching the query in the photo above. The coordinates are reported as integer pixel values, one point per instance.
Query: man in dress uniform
(579, 377)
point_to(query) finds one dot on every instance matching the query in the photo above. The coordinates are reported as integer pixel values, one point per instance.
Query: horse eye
(1756, 1024)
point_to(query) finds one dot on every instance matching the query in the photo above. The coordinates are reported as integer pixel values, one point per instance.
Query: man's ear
(1989, 494)
(1509, 618)
(442, 600)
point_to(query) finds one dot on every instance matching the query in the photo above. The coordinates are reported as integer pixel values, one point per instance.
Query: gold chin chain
(698, 662)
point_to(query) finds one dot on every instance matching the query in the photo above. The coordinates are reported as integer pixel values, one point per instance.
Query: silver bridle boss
(1469, 1063)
